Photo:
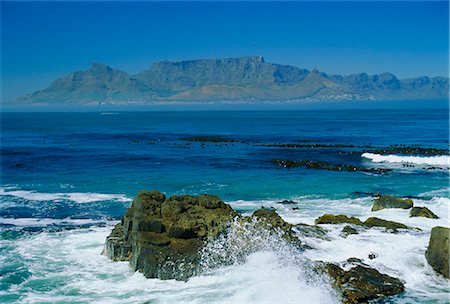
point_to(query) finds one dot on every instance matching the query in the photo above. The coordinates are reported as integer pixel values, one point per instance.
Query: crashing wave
(419, 160)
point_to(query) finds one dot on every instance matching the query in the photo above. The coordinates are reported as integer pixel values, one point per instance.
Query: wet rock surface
(438, 253)
(361, 284)
(422, 212)
(390, 225)
(389, 201)
(348, 230)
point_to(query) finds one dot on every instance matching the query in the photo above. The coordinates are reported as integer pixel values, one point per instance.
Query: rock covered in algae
(389, 201)
(422, 212)
(361, 284)
(438, 252)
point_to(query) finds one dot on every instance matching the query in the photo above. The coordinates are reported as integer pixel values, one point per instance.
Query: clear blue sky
(41, 41)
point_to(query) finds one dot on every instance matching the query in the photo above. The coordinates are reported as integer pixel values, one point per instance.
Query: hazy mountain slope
(243, 79)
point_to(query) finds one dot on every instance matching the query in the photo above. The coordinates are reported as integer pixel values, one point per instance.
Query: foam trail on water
(77, 197)
(419, 160)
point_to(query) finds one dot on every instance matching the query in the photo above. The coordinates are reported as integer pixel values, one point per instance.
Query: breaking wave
(419, 160)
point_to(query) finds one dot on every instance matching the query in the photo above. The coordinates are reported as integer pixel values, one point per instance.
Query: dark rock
(422, 212)
(337, 219)
(319, 165)
(287, 202)
(410, 150)
(210, 139)
(348, 230)
(372, 255)
(162, 237)
(377, 222)
(389, 201)
(362, 284)
(437, 254)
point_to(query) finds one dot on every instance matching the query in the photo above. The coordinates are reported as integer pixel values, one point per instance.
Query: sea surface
(66, 178)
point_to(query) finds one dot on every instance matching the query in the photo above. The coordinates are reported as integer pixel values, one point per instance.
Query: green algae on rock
(438, 253)
(361, 284)
(422, 212)
(389, 201)
(338, 219)
(377, 222)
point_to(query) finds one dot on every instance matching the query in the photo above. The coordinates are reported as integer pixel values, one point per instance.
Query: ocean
(66, 179)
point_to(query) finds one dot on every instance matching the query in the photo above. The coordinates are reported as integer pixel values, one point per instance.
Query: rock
(388, 201)
(311, 231)
(162, 237)
(362, 284)
(337, 219)
(377, 222)
(320, 165)
(348, 230)
(423, 212)
(437, 254)
(372, 255)
(270, 220)
(287, 202)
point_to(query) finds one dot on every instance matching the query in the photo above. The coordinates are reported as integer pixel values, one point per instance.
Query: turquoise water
(66, 178)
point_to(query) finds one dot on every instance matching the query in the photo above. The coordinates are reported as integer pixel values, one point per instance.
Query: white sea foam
(443, 160)
(41, 222)
(77, 197)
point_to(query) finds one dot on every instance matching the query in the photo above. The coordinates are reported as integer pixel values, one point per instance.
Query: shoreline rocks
(320, 165)
(438, 252)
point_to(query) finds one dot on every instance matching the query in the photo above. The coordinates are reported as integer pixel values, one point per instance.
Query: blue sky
(41, 41)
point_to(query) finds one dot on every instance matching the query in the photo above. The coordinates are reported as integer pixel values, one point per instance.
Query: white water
(77, 197)
(419, 160)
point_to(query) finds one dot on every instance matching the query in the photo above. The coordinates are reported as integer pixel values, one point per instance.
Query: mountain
(243, 79)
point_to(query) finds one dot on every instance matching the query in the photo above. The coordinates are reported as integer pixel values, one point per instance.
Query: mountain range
(236, 80)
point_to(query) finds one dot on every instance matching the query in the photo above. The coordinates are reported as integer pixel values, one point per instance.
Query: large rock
(422, 212)
(362, 284)
(162, 237)
(437, 254)
(388, 201)
(337, 219)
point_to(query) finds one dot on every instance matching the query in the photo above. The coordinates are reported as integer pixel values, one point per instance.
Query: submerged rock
(437, 254)
(348, 230)
(422, 212)
(377, 222)
(361, 284)
(389, 201)
(161, 237)
(320, 165)
(337, 219)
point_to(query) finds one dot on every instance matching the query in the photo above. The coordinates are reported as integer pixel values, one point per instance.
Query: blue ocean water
(67, 177)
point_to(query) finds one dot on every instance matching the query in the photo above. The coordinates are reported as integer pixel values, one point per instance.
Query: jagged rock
(377, 222)
(372, 255)
(389, 201)
(348, 230)
(337, 219)
(287, 202)
(362, 284)
(438, 254)
(161, 237)
(422, 212)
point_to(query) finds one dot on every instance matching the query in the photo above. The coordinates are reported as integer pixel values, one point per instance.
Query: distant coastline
(227, 81)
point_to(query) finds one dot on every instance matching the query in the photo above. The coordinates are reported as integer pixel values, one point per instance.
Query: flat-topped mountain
(243, 79)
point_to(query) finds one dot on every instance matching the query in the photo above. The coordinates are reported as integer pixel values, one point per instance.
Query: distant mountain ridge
(242, 79)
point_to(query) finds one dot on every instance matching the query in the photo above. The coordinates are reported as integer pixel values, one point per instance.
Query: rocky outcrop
(422, 212)
(361, 284)
(161, 237)
(388, 201)
(437, 254)
(337, 219)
